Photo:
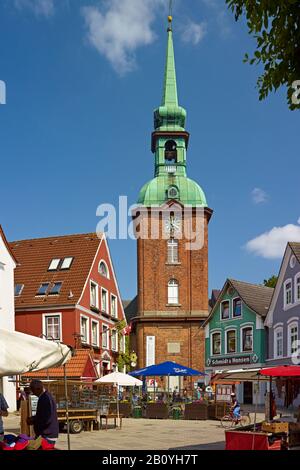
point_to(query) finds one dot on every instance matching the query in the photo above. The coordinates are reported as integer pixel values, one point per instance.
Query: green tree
(271, 282)
(275, 24)
(123, 357)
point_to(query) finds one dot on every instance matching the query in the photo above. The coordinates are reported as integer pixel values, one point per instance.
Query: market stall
(271, 434)
(164, 407)
(20, 353)
(119, 380)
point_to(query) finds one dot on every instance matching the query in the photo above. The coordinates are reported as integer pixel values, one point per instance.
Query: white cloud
(193, 32)
(272, 244)
(221, 15)
(121, 29)
(39, 7)
(259, 196)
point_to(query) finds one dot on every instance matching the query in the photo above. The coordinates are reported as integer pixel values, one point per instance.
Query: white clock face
(173, 224)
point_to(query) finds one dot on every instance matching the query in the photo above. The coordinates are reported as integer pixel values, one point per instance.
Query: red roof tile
(80, 366)
(34, 258)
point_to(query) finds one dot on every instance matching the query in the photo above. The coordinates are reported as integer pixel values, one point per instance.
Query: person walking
(45, 422)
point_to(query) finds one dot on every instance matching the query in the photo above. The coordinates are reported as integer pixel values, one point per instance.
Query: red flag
(127, 330)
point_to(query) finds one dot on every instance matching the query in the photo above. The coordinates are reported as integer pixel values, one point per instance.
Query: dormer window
(171, 151)
(66, 264)
(18, 289)
(55, 289)
(54, 264)
(173, 193)
(43, 288)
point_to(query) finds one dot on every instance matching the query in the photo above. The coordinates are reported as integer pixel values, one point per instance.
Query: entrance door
(248, 393)
(174, 383)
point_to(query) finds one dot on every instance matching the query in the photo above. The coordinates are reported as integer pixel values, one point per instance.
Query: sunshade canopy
(20, 353)
(237, 376)
(118, 378)
(282, 371)
(164, 369)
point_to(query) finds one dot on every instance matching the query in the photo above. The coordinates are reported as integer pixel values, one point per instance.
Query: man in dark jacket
(45, 421)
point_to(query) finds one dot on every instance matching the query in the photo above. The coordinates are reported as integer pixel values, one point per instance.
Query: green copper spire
(170, 116)
(170, 97)
(169, 144)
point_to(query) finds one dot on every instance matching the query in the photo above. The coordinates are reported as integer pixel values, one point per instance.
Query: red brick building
(66, 290)
(172, 300)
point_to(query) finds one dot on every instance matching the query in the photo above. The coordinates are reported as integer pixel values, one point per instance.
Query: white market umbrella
(120, 380)
(20, 353)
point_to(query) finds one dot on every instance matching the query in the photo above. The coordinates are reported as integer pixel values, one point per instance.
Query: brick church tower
(172, 219)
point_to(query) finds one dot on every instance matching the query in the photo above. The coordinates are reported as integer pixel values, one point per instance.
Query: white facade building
(7, 309)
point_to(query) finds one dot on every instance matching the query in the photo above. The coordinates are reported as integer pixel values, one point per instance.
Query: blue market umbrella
(166, 369)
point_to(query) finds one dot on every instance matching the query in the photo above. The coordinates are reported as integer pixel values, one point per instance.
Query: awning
(238, 375)
(281, 371)
(20, 353)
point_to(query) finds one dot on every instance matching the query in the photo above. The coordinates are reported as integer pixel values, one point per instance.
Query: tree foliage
(271, 282)
(123, 357)
(275, 24)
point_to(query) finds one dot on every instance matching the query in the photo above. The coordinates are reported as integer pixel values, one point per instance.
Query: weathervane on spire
(170, 17)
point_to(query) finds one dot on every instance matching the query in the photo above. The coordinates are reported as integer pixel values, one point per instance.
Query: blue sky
(83, 78)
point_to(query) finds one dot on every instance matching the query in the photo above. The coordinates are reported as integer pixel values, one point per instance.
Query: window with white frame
(114, 306)
(237, 307)
(297, 287)
(292, 338)
(104, 300)
(288, 293)
(278, 342)
(225, 309)
(84, 329)
(53, 327)
(173, 251)
(231, 341)
(105, 330)
(103, 269)
(94, 295)
(173, 292)
(66, 264)
(18, 289)
(95, 333)
(53, 266)
(216, 343)
(247, 339)
(122, 344)
(114, 340)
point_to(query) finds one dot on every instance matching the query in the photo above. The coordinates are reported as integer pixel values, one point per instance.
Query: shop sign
(231, 361)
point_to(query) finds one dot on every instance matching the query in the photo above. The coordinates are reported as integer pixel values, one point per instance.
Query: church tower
(172, 219)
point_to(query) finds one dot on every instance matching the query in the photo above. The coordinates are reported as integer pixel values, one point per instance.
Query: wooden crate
(275, 428)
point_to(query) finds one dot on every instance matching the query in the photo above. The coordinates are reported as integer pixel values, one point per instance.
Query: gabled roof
(81, 365)
(34, 258)
(255, 296)
(130, 308)
(296, 249)
(2, 235)
(291, 247)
